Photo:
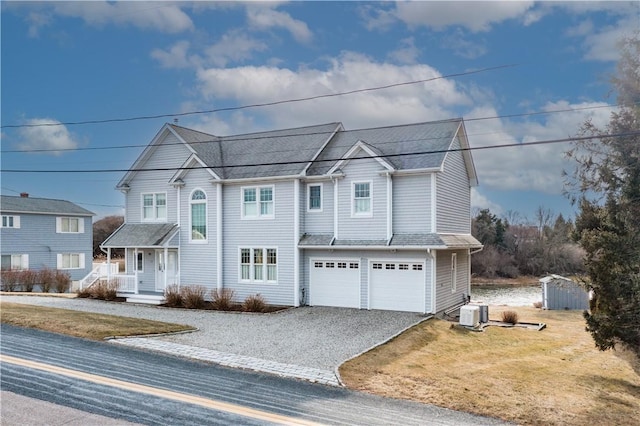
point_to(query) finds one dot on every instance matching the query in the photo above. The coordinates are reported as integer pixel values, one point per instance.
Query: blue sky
(78, 61)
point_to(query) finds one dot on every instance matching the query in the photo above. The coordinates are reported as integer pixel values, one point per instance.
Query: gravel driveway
(316, 337)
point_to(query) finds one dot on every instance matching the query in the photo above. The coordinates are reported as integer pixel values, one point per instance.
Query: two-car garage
(391, 284)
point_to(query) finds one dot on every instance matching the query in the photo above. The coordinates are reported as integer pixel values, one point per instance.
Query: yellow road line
(163, 393)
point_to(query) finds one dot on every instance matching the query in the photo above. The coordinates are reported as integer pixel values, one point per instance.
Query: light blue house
(371, 219)
(41, 233)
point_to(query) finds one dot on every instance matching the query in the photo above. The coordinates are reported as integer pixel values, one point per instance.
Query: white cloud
(475, 16)
(45, 137)
(176, 56)
(234, 46)
(462, 46)
(479, 201)
(261, 17)
(406, 54)
(415, 103)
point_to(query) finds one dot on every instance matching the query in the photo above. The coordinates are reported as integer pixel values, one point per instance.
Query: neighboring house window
(15, 261)
(71, 261)
(154, 206)
(198, 215)
(361, 199)
(69, 225)
(454, 271)
(11, 221)
(314, 203)
(257, 202)
(140, 262)
(259, 264)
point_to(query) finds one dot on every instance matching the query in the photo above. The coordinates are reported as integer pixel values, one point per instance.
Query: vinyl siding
(37, 237)
(168, 154)
(260, 233)
(317, 222)
(444, 297)
(362, 228)
(453, 195)
(198, 259)
(412, 204)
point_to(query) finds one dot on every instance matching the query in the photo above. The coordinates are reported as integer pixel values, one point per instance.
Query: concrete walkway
(314, 375)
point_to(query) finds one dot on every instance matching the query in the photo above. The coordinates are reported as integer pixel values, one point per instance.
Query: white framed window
(259, 265)
(257, 202)
(139, 266)
(154, 206)
(198, 207)
(70, 225)
(314, 197)
(10, 221)
(361, 199)
(454, 271)
(15, 262)
(70, 261)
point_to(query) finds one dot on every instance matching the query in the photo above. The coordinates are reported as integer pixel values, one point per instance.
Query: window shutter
(16, 221)
(81, 225)
(25, 261)
(81, 260)
(58, 225)
(59, 261)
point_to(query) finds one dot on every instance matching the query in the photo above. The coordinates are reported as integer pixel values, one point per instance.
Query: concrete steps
(145, 299)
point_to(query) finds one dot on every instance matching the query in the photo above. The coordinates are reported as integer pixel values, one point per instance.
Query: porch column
(219, 275)
(109, 264)
(335, 208)
(389, 207)
(135, 267)
(166, 258)
(296, 237)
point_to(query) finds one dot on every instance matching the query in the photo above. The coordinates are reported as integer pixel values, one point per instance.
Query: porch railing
(126, 283)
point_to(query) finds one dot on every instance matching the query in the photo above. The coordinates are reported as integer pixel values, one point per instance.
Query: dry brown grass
(553, 377)
(81, 324)
(524, 280)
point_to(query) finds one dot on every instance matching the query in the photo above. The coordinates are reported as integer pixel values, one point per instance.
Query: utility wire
(259, 105)
(281, 163)
(239, 137)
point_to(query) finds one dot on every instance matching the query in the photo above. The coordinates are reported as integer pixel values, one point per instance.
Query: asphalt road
(147, 388)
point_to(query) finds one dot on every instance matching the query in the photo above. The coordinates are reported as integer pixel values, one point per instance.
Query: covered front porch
(152, 261)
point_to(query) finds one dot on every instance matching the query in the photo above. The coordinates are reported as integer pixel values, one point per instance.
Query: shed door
(334, 282)
(397, 286)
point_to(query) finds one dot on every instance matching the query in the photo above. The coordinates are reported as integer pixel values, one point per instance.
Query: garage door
(396, 286)
(334, 283)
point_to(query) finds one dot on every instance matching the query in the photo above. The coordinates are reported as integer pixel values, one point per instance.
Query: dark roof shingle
(13, 204)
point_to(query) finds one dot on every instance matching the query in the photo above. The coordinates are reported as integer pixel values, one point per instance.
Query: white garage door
(397, 286)
(334, 283)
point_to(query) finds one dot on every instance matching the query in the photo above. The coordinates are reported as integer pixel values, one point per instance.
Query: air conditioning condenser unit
(470, 316)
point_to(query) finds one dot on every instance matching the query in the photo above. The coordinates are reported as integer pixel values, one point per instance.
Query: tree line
(515, 246)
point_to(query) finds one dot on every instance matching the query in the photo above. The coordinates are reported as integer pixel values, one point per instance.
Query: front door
(170, 264)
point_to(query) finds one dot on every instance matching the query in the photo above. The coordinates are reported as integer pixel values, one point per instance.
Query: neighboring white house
(373, 218)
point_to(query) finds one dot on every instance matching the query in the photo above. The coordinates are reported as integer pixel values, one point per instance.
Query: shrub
(104, 290)
(29, 280)
(222, 299)
(46, 278)
(84, 293)
(9, 280)
(193, 296)
(537, 305)
(510, 317)
(62, 281)
(172, 296)
(254, 303)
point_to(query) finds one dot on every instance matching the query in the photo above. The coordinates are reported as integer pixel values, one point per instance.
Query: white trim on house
(434, 209)
(369, 213)
(296, 238)
(60, 260)
(410, 262)
(192, 203)
(454, 272)
(187, 166)
(154, 207)
(309, 208)
(389, 207)
(219, 258)
(10, 221)
(366, 148)
(61, 221)
(339, 127)
(252, 265)
(258, 202)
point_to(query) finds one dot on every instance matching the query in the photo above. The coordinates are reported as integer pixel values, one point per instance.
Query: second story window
(69, 225)
(11, 221)
(198, 215)
(361, 203)
(314, 203)
(154, 206)
(257, 202)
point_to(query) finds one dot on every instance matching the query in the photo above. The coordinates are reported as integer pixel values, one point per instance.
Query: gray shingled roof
(398, 240)
(141, 235)
(11, 204)
(238, 154)
(315, 240)
(416, 240)
(393, 140)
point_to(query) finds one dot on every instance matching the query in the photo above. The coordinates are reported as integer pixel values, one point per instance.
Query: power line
(441, 151)
(239, 137)
(259, 105)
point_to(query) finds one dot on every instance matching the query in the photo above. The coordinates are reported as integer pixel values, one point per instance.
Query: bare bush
(9, 280)
(62, 281)
(254, 303)
(510, 317)
(222, 299)
(193, 296)
(537, 305)
(104, 290)
(46, 279)
(28, 279)
(172, 296)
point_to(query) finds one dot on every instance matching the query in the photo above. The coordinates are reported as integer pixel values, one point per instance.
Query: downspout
(335, 208)
(432, 254)
(389, 207)
(296, 235)
(219, 235)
